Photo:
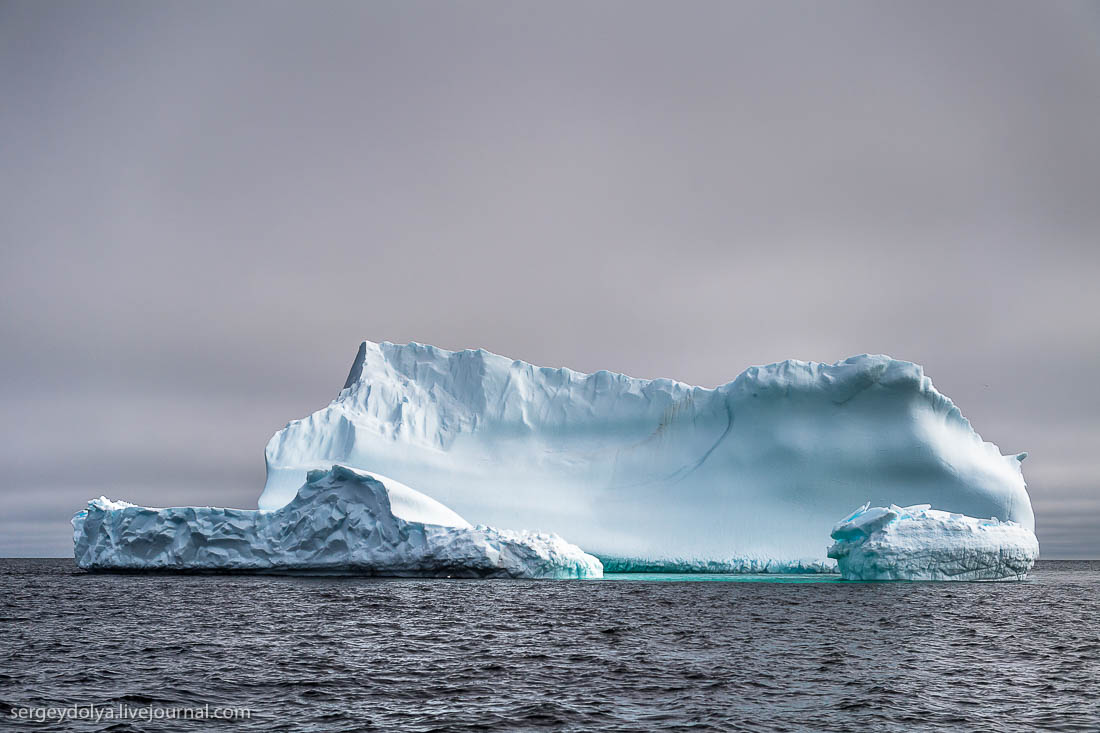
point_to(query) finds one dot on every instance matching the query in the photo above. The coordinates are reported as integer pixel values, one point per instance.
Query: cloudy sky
(205, 207)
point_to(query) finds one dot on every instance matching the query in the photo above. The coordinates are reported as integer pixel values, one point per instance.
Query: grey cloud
(205, 206)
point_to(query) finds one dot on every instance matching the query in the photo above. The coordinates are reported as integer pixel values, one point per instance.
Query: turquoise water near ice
(724, 578)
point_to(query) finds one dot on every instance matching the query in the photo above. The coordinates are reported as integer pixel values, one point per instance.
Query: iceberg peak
(357, 366)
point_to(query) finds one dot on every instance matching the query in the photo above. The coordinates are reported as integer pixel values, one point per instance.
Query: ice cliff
(339, 521)
(921, 543)
(655, 474)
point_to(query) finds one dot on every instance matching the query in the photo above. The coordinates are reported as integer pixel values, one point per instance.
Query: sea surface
(628, 653)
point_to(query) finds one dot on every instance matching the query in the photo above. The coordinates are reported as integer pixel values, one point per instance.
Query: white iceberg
(921, 543)
(340, 521)
(655, 474)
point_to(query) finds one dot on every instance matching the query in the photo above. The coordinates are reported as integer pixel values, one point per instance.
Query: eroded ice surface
(655, 474)
(340, 520)
(921, 543)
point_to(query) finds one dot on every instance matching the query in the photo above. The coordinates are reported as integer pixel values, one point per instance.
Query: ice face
(340, 521)
(921, 543)
(655, 474)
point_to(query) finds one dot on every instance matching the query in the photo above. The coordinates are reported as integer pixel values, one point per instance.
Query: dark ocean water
(331, 654)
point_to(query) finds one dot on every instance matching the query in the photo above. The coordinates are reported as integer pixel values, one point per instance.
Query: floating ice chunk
(341, 521)
(921, 543)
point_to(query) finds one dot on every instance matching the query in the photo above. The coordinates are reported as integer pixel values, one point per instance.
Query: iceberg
(655, 474)
(921, 543)
(340, 521)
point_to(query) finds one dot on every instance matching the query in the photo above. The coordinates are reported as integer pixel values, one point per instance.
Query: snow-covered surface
(655, 474)
(412, 506)
(341, 520)
(921, 543)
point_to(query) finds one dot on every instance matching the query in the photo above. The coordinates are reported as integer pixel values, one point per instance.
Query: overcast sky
(205, 207)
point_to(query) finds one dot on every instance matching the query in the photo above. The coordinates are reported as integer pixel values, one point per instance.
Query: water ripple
(323, 654)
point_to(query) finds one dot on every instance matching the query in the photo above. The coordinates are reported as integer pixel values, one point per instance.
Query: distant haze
(205, 207)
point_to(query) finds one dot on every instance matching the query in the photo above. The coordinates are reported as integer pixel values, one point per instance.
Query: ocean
(628, 653)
